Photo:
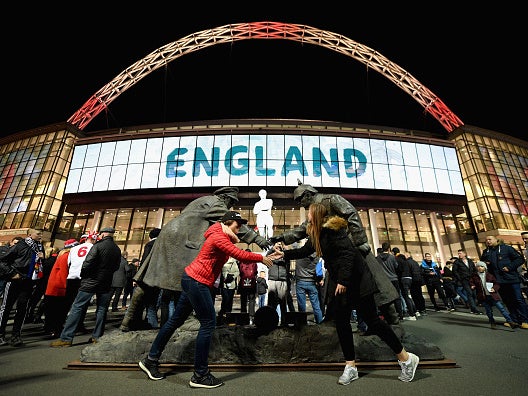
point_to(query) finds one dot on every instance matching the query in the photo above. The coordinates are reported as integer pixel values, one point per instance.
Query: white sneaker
(350, 374)
(408, 369)
(410, 318)
(417, 314)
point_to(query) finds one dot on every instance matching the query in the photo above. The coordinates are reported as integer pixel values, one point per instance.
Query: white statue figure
(262, 210)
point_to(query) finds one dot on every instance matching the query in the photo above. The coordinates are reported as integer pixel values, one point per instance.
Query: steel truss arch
(265, 30)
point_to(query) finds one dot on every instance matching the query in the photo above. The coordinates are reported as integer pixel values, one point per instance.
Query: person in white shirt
(75, 262)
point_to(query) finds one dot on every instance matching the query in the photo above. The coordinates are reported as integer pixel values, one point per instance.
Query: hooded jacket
(336, 205)
(343, 261)
(215, 252)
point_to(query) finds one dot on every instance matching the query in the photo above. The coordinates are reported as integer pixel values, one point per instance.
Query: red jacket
(59, 273)
(216, 250)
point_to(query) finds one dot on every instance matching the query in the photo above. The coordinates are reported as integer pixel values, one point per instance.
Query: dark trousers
(19, 292)
(116, 295)
(127, 292)
(247, 299)
(397, 302)
(227, 300)
(56, 312)
(436, 285)
(368, 312)
(513, 299)
(417, 296)
(406, 291)
(36, 298)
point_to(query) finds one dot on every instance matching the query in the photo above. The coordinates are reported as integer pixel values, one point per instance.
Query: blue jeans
(302, 288)
(462, 293)
(195, 296)
(77, 313)
(262, 300)
(489, 303)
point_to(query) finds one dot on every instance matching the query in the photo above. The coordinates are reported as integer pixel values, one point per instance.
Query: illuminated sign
(264, 160)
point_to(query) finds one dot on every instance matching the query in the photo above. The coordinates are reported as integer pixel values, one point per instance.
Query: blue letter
(173, 163)
(355, 162)
(244, 168)
(200, 159)
(289, 166)
(259, 163)
(332, 170)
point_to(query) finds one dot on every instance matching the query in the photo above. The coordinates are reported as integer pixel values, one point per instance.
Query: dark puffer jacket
(99, 266)
(343, 261)
(17, 259)
(500, 256)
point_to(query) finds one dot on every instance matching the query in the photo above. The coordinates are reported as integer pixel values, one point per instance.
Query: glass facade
(33, 173)
(495, 173)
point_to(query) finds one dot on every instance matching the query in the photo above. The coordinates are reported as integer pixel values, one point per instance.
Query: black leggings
(368, 312)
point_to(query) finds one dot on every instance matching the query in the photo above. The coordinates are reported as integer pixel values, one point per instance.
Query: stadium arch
(99, 101)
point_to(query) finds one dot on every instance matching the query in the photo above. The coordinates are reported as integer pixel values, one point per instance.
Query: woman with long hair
(350, 286)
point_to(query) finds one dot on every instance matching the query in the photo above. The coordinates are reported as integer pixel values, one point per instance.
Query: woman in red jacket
(56, 306)
(197, 283)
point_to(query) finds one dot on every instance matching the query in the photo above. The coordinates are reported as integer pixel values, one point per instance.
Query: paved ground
(488, 362)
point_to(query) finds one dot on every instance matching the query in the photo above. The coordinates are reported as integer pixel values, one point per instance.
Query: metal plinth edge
(431, 364)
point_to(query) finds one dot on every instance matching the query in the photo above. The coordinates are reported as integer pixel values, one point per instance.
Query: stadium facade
(420, 191)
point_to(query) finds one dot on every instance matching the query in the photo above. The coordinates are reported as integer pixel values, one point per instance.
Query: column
(437, 236)
(96, 221)
(374, 230)
(159, 217)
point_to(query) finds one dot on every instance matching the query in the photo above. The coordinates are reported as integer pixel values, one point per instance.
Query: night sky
(58, 58)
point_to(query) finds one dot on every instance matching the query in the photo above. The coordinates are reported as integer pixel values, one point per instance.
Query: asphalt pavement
(488, 362)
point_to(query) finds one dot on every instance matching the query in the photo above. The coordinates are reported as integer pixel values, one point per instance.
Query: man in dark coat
(180, 241)
(336, 205)
(96, 279)
(21, 264)
(503, 262)
(463, 270)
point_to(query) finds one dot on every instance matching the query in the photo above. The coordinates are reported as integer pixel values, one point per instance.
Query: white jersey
(76, 259)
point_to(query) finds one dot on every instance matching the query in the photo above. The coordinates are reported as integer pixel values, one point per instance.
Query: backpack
(248, 275)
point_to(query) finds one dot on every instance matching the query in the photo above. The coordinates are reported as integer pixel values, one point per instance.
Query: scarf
(35, 267)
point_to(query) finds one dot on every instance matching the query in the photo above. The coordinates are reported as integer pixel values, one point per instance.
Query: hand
(16, 276)
(274, 239)
(340, 289)
(267, 261)
(364, 249)
(262, 242)
(276, 255)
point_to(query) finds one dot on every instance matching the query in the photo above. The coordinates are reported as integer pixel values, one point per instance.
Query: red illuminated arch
(265, 30)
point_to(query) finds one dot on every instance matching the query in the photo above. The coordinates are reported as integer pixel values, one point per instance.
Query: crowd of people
(326, 260)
